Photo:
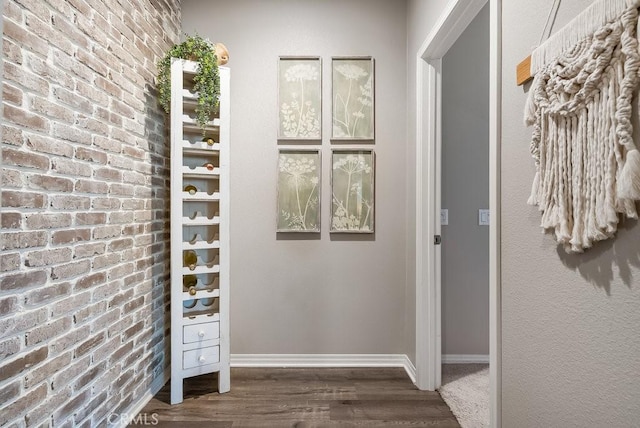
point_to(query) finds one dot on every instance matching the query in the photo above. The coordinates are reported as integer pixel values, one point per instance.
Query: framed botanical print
(352, 191)
(352, 112)
(299, 98)
(299, 174)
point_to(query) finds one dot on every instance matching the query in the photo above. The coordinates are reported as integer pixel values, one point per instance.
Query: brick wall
(84, 244)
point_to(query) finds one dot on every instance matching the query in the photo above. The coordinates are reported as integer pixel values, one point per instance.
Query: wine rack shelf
(197, 318)
(201, 245)
(200, 196)
(200, 148)
(199, 234)
(201, 294)
(191, 121)
(201, 221)
(200, 172)
(201, 269)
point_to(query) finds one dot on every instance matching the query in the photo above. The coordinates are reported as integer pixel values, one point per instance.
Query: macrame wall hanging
(580, 108)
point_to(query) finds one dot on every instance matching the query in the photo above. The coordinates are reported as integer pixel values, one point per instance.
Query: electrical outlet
(484, 217)
(444, 217)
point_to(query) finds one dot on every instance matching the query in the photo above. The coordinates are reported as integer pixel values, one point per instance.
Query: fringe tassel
(530, 107)
(581, 27)
(587, 164)
(628, 186)
(533, 198)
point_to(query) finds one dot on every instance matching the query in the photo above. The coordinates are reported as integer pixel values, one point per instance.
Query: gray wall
(465, 189)
(571, 348)
(322, 295)
(421, 16)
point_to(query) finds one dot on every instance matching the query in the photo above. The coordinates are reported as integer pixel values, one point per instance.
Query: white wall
(465, 189)
(421, 16)
(571, 348)
(342, 295)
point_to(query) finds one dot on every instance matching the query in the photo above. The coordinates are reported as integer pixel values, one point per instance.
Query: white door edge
(495, 141)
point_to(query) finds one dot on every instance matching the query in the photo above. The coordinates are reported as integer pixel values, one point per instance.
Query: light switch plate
(484, 217)
(444, 217)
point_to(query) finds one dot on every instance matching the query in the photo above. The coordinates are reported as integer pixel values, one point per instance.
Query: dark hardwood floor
(301, 397)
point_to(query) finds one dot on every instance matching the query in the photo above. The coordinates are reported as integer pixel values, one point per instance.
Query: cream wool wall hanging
(580, 107)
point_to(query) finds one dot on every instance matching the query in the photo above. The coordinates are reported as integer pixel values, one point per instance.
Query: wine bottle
(208, 302)
(190, 259)
(189, 283)
(191, 189)
(209, 166)
(209, 141)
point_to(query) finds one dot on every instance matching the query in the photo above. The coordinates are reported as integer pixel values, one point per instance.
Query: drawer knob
(201, 359)
(201, 333)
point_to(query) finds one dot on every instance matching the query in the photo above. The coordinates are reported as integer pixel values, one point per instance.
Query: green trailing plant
(206, 81)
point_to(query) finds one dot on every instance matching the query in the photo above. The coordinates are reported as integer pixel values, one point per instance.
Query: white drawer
(200, 357)
(199, 332)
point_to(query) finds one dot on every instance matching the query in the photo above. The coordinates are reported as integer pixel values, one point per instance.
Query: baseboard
(137, 407)
(410, 369)
(465, 359)
(325, 360)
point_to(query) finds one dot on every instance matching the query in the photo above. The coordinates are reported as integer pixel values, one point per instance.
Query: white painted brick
(81, 150)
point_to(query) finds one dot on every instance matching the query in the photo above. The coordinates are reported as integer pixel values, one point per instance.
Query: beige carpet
(465, 389)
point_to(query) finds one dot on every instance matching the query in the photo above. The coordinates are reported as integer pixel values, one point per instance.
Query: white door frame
(453, 21)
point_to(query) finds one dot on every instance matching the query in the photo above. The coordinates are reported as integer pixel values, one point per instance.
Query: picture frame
(299, 190)
(299, 98)
(352, 191)
(353, 98)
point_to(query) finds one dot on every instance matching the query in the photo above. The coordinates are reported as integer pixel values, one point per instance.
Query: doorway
(464, 185)
(449, 27)
(465, 195)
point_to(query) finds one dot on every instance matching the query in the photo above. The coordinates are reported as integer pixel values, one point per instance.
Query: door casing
(453, 21)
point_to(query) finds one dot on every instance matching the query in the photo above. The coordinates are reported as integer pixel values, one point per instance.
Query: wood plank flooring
(302, 397)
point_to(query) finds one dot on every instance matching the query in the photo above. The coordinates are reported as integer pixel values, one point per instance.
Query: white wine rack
(200, 231)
